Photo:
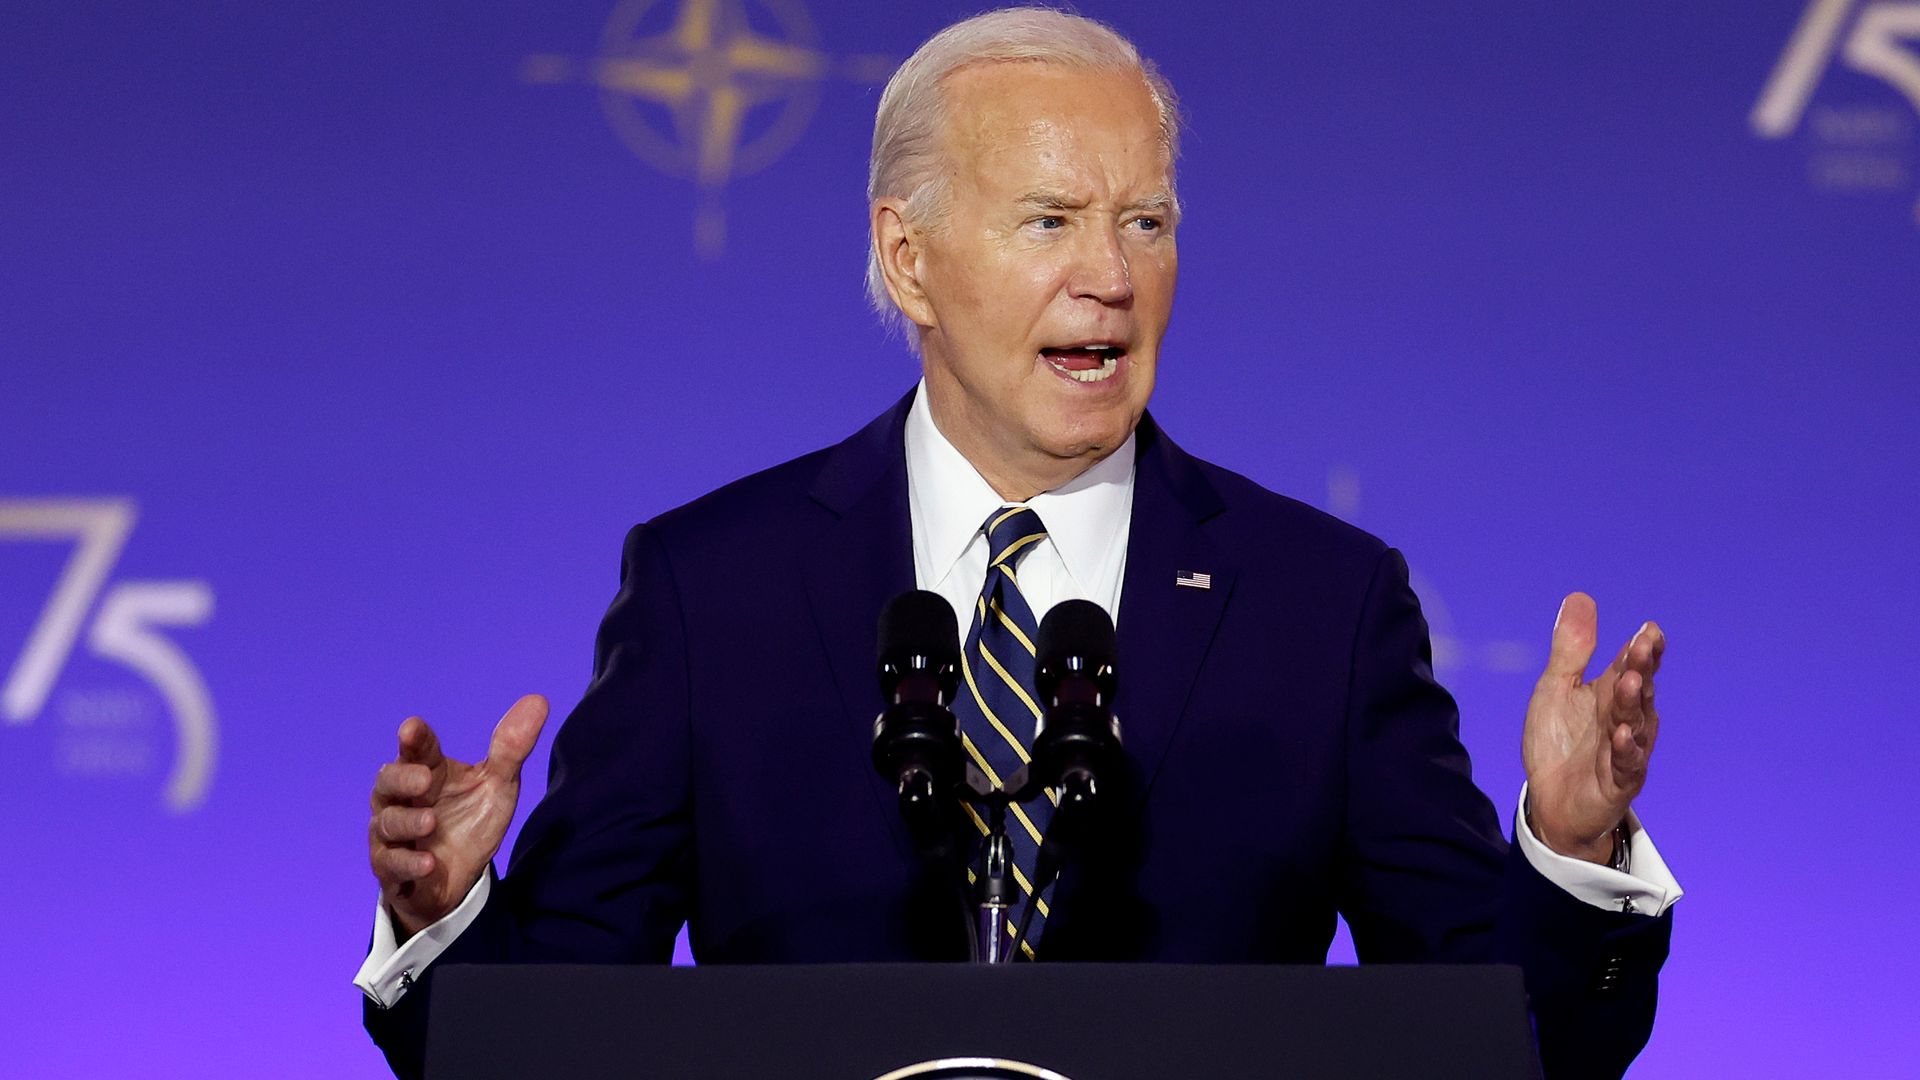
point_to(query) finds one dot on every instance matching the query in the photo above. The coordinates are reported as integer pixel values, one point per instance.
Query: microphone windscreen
(919, 623)
(1076, 629)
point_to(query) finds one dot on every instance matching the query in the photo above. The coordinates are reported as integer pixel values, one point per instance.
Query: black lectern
(945, 1021)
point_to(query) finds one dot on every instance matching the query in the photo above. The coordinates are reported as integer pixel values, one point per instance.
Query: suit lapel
(1166, 628)
(858, 563)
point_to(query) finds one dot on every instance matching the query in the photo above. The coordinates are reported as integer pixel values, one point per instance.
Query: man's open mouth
(1089, 363)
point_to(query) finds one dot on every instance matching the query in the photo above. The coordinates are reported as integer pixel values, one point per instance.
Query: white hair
(907, 128)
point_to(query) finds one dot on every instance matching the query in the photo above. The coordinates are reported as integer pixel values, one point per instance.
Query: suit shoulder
(759, 504)
(1258, 516)
(777, 505)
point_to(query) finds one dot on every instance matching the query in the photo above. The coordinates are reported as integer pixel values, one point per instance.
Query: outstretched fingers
(1624, 704)
(1633, 692)
(1632, 724)
(1644, 651)
(423, 789)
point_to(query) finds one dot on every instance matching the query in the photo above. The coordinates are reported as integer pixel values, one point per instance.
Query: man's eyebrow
(1159, 202)
(1050, 200)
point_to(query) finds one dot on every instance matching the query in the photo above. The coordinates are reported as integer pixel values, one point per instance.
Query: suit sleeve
(602, 870)
(1429, 877)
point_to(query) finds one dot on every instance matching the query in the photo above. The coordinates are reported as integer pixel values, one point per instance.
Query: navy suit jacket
(1291, 755)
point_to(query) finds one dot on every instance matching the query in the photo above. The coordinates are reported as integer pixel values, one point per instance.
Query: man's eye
(1050, 222)
(1148, 224)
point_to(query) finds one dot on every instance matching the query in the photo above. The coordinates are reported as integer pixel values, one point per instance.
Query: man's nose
(1100, 270)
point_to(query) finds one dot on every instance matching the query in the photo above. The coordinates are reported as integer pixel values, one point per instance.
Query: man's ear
(901, 250)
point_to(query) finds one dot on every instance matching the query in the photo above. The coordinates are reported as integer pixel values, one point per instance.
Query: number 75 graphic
(1874, 47)
(123, 630)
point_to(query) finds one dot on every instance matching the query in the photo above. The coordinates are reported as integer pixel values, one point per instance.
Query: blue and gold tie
(998, 713)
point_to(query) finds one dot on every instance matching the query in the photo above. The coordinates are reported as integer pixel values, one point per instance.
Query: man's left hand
(1587, 742)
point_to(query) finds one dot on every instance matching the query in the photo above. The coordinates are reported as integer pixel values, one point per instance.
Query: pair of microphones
(1076, 749)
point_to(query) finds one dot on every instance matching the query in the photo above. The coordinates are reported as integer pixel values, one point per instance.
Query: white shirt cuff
(390, 968)
(1649, 890)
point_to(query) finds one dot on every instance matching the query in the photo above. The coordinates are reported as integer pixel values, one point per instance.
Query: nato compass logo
(708, 90)
(1865, 144)
(107, 732)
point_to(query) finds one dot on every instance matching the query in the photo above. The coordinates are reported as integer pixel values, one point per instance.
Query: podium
(954, 1021)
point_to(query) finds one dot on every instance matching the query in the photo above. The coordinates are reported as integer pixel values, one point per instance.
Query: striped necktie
(998, 714)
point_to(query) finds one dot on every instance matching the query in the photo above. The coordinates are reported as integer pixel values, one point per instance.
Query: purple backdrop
(378, 324)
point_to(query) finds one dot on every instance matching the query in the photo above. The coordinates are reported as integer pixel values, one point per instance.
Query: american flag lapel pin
(1194, 580)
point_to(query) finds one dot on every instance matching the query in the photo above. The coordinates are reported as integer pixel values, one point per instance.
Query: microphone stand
(995, 892)
(1077, 792)
(993, 886)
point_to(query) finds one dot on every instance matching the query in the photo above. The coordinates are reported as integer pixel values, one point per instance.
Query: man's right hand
(437, 822)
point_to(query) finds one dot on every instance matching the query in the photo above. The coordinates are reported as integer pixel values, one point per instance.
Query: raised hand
(1587, 742)
(437, 822)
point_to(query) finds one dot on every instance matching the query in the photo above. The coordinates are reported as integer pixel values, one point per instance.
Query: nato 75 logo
(125, 629)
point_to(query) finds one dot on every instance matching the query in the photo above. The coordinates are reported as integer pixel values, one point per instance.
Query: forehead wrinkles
(987, 128)
(996, 135)
(1043, 150)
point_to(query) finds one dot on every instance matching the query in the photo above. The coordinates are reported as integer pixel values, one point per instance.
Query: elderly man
(1292, 756)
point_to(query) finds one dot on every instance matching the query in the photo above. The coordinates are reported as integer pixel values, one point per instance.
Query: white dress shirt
(1083, 557)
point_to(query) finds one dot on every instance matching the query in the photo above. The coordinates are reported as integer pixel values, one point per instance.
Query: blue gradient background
(390, 346)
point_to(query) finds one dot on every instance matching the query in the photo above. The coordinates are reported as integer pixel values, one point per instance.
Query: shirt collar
(950, 500)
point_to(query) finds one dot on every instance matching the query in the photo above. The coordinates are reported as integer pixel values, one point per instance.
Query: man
(1291, 755)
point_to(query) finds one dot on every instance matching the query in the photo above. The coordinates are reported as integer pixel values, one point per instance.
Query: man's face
(1051, 280)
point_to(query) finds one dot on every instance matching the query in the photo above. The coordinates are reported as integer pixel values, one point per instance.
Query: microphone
(916, 740)
(1079, 739)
